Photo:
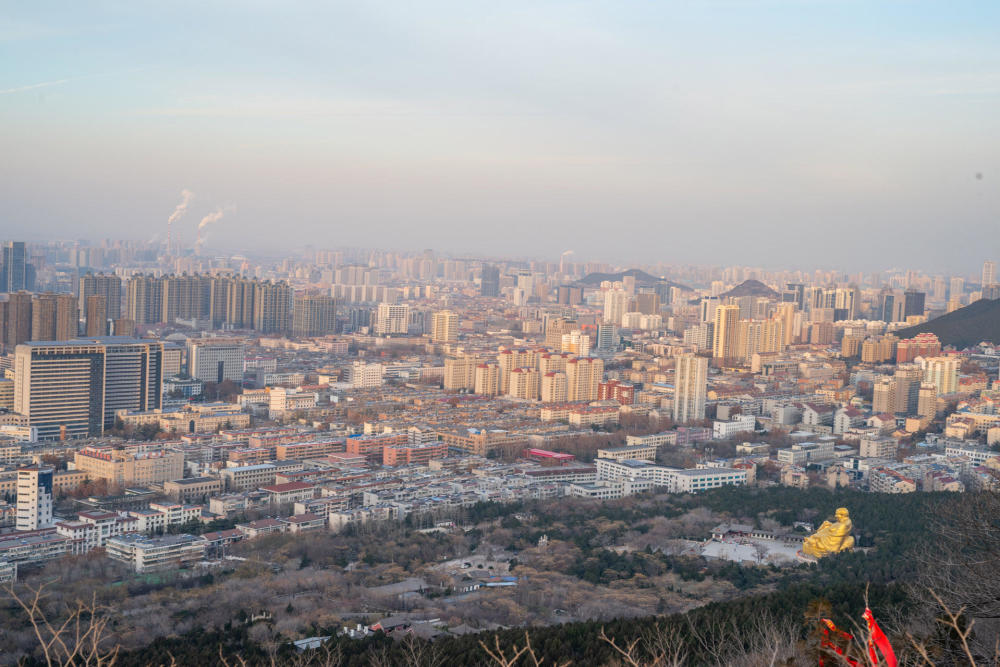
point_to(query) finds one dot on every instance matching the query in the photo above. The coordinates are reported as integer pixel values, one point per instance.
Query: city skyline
(822, 133)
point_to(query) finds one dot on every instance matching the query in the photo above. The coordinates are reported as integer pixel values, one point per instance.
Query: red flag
(827, 644)
(880, 641)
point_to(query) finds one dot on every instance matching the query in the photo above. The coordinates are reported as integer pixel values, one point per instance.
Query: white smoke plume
(210, 219)
(181, 209)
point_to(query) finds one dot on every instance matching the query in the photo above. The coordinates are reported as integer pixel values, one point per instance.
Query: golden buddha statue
(831, 538)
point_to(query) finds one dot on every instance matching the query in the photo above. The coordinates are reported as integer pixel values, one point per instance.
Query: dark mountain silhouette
(977, 322)
(641, 278)
(751, 288)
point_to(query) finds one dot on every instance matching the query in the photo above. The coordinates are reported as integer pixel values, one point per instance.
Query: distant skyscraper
(490, 285)
(707, 308)
(14, 270)
(690, 381)
(727, 320)
(892, 306)
(34, 498)
(989, 273)
(569, 295)
(913, 303)
(615, 302)
(785, 313)
(956, 288)
(795, 293)
(607, 337)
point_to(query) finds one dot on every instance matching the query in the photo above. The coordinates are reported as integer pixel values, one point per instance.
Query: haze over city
(832, 134)
(454, 333)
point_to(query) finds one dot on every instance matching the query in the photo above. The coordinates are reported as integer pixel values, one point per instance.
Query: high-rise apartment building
(555, 327)
(144, 299)
(758, 337)
(508, 360)
(727, 320)
(884, 396)
(186, 297)
(554, 387)
(569, 295)
(487, 379)
(942, 372)
(314, 315)
(523, 384)
(956, 288)
(927, 401)
(96, 315)
(74, 388)
(785, 313)
(989, 273)
(647, 303)
(690, 382)
(34, 498)
(108, 286)
(583, 376)
(392, 319)
(54, 317)
(707, 307)
(702, 336)
(232, 302)
(460, 373)
(216, 359)
(553, 362)
(444, 326)
(907, 381)
(575, 342)
(490, 284)
(615, 304)
(228, 302)
(272, 306)
(15, 319)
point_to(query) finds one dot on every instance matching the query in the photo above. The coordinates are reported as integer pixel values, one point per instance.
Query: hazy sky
(845, 134)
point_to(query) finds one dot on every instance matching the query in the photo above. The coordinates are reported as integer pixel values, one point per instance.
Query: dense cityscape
(163, 410)
(521, 334)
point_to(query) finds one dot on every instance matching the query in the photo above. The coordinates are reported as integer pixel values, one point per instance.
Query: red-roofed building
(289, 492)
(613, 390)
(545, 456)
